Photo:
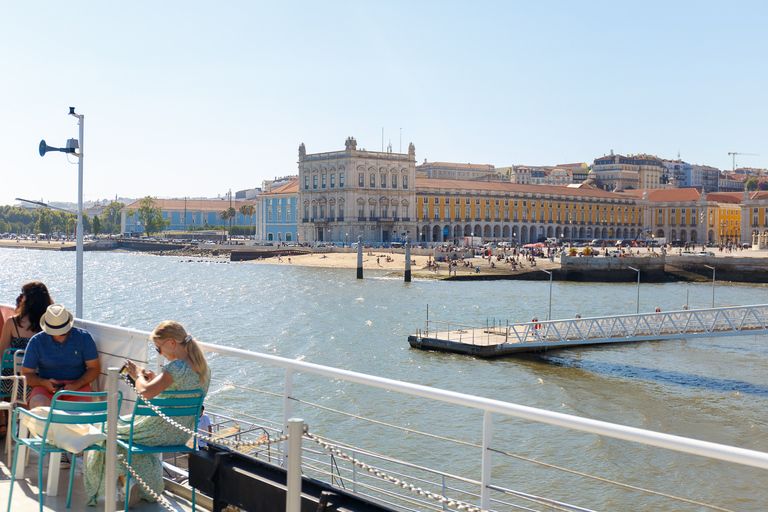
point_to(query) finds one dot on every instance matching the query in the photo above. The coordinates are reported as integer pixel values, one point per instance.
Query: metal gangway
(539, 335)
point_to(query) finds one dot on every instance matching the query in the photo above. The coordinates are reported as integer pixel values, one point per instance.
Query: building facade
(351, 193)
(187, 213)
(620, 172)
(453, 171)
(277, 214)
(448, 210)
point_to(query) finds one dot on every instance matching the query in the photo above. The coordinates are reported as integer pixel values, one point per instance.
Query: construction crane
(734, 158)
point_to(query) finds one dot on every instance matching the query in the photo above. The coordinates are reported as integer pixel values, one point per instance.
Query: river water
(712, 389)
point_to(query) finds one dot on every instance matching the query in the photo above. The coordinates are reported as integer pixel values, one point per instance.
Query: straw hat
(57, 320)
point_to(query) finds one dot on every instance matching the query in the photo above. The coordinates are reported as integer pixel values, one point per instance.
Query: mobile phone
(124, 371)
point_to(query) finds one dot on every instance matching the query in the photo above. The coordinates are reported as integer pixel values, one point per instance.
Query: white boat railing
(489, 407)
(476, 490)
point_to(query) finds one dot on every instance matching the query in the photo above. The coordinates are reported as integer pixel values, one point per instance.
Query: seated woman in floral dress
(186, 370)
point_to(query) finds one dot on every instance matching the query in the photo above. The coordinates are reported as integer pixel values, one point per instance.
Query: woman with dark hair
(31, 305)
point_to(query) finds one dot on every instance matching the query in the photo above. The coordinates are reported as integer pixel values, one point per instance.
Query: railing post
(485, 477)
(287, 408)
(111, 457)
(293, 483)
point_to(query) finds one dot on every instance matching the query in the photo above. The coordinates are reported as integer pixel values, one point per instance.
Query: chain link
(164, 502)
(449, 502)
(220, 441)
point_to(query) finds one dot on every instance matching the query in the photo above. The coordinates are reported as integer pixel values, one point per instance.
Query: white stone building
(343, 194)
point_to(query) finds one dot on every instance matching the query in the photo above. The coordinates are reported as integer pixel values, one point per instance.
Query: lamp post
(549, 315)
(713, 284)
(638, 288)
(72, 147)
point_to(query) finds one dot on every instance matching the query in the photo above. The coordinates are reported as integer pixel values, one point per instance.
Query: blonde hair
(170, 330)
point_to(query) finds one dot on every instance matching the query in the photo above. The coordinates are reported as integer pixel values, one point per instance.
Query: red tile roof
(200, 205)
(291, 187)
(505, 187)
(726, 197)
(667, 195)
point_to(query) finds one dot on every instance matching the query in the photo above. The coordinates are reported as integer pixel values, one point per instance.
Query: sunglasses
(159, 348)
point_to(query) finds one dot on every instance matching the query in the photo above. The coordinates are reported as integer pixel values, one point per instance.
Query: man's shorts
(40, 390)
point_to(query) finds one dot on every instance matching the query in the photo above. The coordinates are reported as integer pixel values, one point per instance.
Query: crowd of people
(60, 358)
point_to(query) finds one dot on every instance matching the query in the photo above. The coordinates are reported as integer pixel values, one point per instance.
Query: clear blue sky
(195, 98)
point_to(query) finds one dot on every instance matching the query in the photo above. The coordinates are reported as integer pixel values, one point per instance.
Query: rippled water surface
(713, 389)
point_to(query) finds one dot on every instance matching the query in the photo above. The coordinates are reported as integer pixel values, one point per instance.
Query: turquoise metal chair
(176, 405)
(61, 412)
(18, 386)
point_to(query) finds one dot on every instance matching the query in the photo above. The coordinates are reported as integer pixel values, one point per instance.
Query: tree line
(18, 220)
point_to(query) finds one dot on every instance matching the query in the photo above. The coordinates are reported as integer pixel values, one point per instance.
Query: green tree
(96, 225)
(228, 214)
(751, 184)
(150, 215)
(248, 209)
(45, 222)
(86, 223)
(111, 217)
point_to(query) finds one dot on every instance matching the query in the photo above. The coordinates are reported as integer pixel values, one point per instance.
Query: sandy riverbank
(377, 260)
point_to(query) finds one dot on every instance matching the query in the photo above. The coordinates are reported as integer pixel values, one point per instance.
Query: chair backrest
(176, 404)
(8, 358)
(8, 363)
(69, 411)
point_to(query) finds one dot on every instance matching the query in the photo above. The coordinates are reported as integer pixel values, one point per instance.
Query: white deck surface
(25, 492)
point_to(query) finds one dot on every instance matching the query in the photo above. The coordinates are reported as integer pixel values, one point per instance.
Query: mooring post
(359, 256)
(407, 259)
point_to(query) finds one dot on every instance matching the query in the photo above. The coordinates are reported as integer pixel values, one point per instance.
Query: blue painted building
(277, 213)
(186, 213)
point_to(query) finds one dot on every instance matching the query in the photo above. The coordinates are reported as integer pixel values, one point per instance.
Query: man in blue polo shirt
(61, 357)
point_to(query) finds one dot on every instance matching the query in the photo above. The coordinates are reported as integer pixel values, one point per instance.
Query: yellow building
(450, 209)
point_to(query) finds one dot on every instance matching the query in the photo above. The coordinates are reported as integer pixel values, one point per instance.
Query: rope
(449, 502)
(212, 440)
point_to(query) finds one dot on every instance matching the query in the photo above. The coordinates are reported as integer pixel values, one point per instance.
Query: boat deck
(25, 492)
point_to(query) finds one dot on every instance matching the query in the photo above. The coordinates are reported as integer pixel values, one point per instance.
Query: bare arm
(147, 383)
(34, 381)
(5, 337)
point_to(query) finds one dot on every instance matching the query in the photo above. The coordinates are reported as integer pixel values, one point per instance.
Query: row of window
(279, 214)
(548, 216)
(374, 212)
(324, 181)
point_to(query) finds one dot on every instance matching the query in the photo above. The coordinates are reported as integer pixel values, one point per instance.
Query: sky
(193, 99)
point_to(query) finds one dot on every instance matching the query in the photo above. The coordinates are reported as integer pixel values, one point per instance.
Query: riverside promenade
(745, 265)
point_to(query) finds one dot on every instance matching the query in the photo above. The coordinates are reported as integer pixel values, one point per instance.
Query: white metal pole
(713, 285)
(549, 315)
(287, 407)
(485, 477)
(111, 461)
(79, 283)
(638, 289)
(293, 483)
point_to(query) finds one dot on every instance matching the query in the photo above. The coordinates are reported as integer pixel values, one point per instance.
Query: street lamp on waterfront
(713, 284)
(638, 288)
(549, 315)
(71, 148)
